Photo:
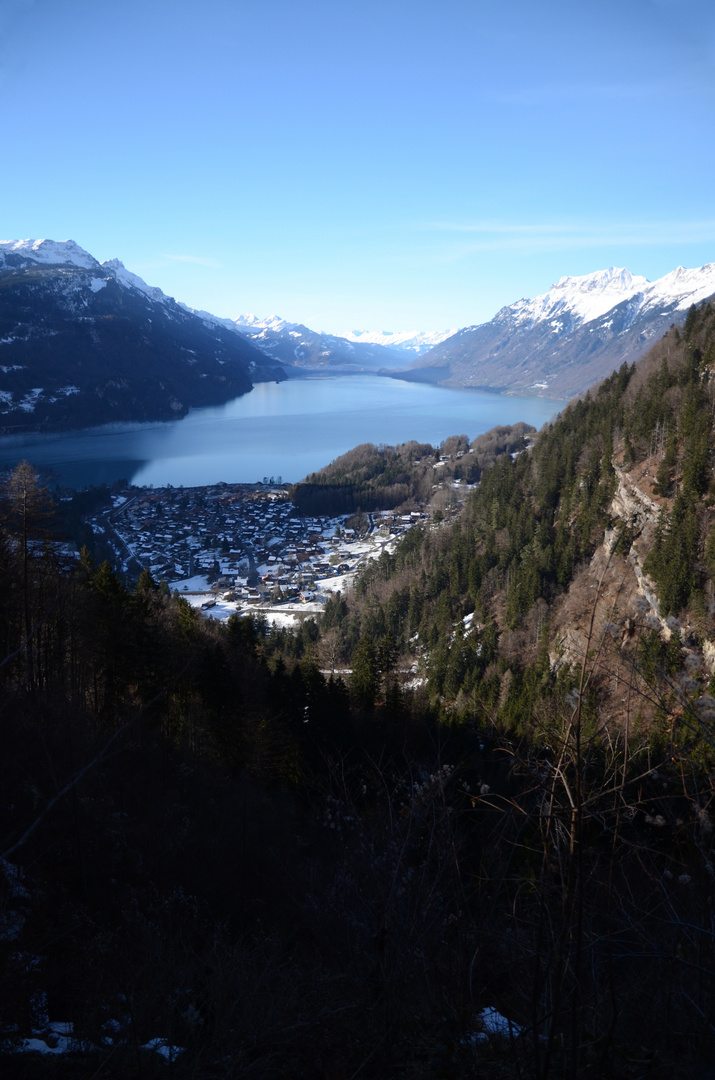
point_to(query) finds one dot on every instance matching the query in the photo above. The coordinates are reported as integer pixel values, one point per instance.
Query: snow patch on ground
(161, 1046)
(337, 583)
(57, 1038)
(196, 584)
(30, 399)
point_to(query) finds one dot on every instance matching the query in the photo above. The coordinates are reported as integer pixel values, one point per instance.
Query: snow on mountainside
(133, 281)
(413, 341)
(586, 298)
(23, 253)
(83, 342)
(305, 350)
(561, 342)
(336, 348)
(583, 299)
(46, 253)
(684, 287)
(580, 298)
(290, 344)
(271, 322)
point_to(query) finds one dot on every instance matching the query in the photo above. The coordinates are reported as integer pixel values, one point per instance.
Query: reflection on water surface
(284, 429)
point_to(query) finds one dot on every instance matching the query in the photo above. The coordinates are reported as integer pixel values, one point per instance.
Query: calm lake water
(284, 429)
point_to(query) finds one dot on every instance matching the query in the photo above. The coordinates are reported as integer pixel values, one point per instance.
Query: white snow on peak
(48, 252)
(582, 298)
(67, 252)
(417, 341)
(249, 323)
(684, 286)
(133, 281)
(271, 322)
(574, 301)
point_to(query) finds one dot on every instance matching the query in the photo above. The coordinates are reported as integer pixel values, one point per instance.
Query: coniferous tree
(28, 509)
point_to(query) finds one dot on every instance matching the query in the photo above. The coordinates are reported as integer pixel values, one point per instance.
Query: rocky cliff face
(612, 603)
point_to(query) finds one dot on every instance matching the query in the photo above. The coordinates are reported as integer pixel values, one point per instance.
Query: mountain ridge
(85, 343)
(565, 340)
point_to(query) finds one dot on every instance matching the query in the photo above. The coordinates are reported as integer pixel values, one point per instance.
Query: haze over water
(284, 429)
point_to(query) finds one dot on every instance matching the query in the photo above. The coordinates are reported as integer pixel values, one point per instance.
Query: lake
(286, 429)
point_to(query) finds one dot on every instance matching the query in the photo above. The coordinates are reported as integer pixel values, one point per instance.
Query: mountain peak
(618, 277)
(578, 300)
(271, 322)
(571, 336)
(47, 253)
(407, 341)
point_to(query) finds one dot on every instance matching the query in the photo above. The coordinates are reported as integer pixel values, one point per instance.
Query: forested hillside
(83, 343)
(482, 780)
(373, 477)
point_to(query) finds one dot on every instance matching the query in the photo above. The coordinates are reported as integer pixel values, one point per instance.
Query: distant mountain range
(564, 341)
(298, 347)
(83, 342)
(408, 341)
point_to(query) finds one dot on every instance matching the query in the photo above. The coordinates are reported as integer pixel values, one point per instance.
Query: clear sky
(401, 164)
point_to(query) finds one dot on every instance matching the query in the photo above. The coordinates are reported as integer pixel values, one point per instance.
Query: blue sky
(364, 165)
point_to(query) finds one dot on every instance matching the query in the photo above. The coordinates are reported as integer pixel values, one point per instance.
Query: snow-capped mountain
(578, 300)
(402, 344)
(562, 342)
(296, 346)
(19, 253)
(271, 322)
(410, 341)
(84, 342)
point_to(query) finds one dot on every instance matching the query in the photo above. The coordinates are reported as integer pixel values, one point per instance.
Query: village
(243, 547)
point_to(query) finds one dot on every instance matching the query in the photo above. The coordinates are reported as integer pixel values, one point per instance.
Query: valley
(413, 757)
(84, 343)
(357, 541)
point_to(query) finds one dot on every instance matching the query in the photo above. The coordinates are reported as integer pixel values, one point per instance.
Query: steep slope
(598, 544)
(86, 343)
(564, 341)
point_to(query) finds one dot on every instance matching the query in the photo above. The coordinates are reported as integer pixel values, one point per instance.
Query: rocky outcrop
(639, 514)
(611, 601)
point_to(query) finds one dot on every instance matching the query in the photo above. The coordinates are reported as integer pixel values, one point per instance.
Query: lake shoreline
(288, 429)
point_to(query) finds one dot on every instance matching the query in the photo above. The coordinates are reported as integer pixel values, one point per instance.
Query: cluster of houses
(241, 544)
